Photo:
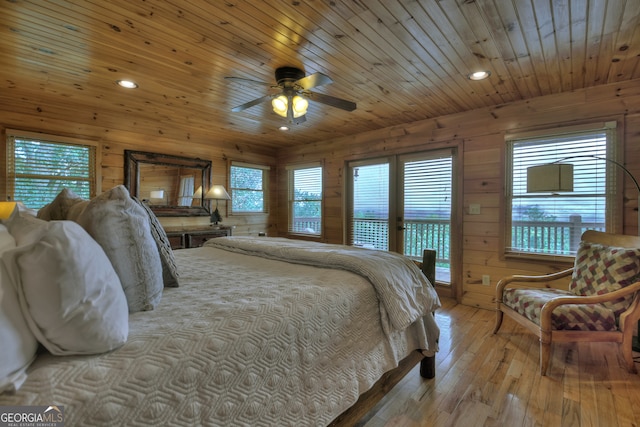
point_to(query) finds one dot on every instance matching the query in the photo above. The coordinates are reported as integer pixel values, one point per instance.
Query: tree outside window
(248, 185)
(38, 168)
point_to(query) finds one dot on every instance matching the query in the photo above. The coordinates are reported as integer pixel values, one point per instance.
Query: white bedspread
(244, 341)
(404, 292)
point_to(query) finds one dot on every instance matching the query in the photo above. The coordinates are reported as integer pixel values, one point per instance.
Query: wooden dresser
(194, 238)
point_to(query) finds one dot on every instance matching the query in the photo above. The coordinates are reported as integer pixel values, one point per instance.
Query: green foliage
(535, 213)
(306, 204)
(247, 189)
(42, 169)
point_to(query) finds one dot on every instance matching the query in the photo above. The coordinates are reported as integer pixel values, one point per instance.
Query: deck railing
(560, 238)
(528, 236)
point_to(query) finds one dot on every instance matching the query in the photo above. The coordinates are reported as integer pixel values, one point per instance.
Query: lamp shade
(299, 106)
(550, 178)
(280, 105)
(217, 192)
(285, 105)
(198, 193)
(6, 209)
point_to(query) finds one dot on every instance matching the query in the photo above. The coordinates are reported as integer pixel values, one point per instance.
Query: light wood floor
(492, 380)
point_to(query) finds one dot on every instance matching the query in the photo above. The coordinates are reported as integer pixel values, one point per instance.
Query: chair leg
(545, 353)
(498, 321)
(627, 356)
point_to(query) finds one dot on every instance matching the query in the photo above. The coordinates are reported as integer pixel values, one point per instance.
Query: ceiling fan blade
(253, 82)
(332, 101)
(251, 103)
(313, 80)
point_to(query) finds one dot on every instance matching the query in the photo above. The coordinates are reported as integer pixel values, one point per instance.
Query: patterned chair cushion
(601, 269)
(579, 317)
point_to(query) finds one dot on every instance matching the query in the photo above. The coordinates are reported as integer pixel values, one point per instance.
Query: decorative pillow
(122, 228)
(59, 207)
(601, 269)
(169, 268)
(19, 345)
(76, 210)
(69, 293)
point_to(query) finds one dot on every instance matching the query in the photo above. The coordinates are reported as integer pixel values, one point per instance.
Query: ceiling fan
(292, 100)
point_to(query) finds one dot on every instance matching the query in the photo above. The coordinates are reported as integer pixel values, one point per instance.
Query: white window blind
(370, 211)
(427, 189)
(305, 200)
(545, 223)
(38, 168)
(248, 188)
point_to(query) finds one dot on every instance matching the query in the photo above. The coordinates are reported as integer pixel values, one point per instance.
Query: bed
(260, 331)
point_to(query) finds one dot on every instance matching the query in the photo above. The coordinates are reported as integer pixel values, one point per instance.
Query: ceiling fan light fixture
(299, 106)
(280, 105)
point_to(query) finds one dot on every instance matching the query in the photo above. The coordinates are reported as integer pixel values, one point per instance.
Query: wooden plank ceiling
(399, 60)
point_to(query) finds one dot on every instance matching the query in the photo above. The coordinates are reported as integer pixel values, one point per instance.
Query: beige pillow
(122, 228)
(69, 293)
(59, 207)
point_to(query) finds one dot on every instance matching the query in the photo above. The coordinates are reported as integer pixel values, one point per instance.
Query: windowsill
(547, 258)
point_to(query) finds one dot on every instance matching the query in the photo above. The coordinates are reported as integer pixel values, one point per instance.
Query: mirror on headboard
(170, 185)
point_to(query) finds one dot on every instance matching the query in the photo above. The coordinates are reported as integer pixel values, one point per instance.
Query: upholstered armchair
(602, 302)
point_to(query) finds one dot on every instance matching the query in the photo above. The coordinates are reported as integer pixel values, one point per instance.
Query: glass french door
(403, 204)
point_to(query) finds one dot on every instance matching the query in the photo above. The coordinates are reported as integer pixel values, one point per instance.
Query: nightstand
(194, 238)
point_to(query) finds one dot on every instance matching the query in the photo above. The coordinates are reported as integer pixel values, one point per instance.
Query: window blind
(38, 169)
(369, 215)
(552, 223)
(247, 187)
(306, 200)
(427, 189)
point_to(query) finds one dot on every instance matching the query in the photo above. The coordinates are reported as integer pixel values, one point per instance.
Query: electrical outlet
(486, 280)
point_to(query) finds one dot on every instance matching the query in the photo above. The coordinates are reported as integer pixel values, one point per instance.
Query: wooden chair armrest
(502, 283)
(549, 306)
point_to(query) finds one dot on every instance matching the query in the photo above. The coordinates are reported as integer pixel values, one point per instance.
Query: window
(305, 199)
(40, 166)
(370, 207)
(248, 188)
(551, 224)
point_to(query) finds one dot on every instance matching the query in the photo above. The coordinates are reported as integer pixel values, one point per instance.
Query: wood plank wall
(479, 136)
(113, 142)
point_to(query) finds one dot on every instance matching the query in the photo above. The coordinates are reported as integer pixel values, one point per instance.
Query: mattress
(244, 340)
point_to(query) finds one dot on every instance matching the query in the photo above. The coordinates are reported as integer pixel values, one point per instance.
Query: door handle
(401, 228)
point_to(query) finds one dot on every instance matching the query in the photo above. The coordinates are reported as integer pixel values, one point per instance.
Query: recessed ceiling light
(479, 75)
(128, 84)
(284, 128)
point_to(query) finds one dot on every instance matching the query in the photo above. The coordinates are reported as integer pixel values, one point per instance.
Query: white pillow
(25, 228)
(69, 293)
(19, 345)
(122, 228)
